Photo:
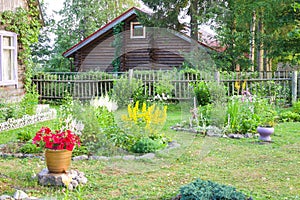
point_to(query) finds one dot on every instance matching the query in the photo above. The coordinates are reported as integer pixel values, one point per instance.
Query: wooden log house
(141, 47)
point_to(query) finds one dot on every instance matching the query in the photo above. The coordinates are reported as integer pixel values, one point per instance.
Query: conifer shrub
(208, 190)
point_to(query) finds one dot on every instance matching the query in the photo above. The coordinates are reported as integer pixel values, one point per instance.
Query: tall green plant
(123, 90)
(202, 93)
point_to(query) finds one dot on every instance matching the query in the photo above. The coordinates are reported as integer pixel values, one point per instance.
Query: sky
(53, 5)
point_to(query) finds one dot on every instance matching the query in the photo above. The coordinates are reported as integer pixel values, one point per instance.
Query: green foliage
(218, 115)
(25, 135)
(289, 116)
(271, 89)
(242, 117)
(117, 43)
(202, 93)
(30, 100)
(164, 86)
(124, 89)
(207, 190)
(217, 92)
(204, 115)
(296, 107)
(30, 148)
(147, 145)
(139, 95)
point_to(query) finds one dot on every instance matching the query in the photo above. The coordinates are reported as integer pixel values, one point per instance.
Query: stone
(82, 157)
(5, 197)
(224, 136)
(69, 180)
(129, 157)
(99, 158)
(231, 135)
(60, 179)
(173, 144)
(19, 194)
(73, 174)
(18, 155)
(70, 187)
(248, 135)
(82, 180)
(146, 156)
(239, 136)
(74, 183)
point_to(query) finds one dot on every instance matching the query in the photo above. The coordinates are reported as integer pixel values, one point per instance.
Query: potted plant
(58, 148)
(267, 122)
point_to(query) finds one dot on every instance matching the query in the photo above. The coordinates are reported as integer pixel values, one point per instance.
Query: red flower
(59, 140)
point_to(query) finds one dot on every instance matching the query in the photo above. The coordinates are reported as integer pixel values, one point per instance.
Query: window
(8, 58)
(137, 30)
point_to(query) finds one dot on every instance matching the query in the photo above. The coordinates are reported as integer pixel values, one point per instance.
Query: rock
(5, 197)
(173, 144)
(60, 179)
(73, 174)
(74, 183)
(231, 135)
(82, 157)
(18, 155)
(224, 136)
(33, 198)
(129, 157)
(82, 180)
(146, 156)
(248, 135)
(99, 158)
(70, 187)
(19, 194)
(117, 157)
(239, 136)
(69, 180)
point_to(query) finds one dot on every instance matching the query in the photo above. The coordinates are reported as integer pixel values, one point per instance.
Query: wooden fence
(87, 85)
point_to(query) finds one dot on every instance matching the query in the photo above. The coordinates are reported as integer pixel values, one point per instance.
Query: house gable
(154, 48)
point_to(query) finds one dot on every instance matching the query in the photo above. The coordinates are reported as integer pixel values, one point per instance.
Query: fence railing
(87, 85)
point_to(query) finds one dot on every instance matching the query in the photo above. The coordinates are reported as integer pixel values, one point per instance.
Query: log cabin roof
(110, 25)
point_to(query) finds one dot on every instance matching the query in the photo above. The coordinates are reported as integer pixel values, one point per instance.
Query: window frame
(132, 36)
(14, 65)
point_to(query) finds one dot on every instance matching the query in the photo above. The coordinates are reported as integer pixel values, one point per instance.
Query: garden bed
(43, 113)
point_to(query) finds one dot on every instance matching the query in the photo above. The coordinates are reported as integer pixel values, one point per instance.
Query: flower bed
(44, 113)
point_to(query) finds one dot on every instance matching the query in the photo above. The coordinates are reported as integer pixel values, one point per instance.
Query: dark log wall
(160, 49)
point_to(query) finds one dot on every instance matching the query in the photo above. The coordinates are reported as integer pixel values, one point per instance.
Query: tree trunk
(260, 55)
(194, 22)
(252, 40)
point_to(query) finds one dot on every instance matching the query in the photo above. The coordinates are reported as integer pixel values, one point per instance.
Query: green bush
(25, 135)
(202, 93)
(147, 145)
(124, 89)
(30, 100)
(296, 107)
(208, 190)
(289, 116)
(30, 148)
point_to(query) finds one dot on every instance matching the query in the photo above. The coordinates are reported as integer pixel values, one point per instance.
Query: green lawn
(264, 171)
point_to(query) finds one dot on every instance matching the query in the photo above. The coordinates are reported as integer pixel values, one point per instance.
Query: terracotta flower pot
(265, 132)
(58, 161)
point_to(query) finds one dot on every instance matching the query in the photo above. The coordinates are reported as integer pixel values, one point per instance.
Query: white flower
(104, 102)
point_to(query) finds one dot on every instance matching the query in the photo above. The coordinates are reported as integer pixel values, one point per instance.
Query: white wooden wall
(11, 4)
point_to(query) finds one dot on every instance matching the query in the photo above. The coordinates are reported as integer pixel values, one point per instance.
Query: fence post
(294, 86)
(130, 71)
(217, 76)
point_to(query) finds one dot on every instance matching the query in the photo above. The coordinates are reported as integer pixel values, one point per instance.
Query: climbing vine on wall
(117, 43)
(26, 23)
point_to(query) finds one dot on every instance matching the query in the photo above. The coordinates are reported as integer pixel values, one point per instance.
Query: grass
(263, 171)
